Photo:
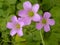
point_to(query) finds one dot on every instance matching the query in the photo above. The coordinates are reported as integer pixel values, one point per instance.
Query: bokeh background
(8, 8)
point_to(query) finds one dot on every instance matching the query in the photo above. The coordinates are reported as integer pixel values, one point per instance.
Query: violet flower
(45, 22)
(29, 13)
(15, 26)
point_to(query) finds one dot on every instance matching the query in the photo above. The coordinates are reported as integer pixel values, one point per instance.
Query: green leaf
(6, 12)
(11, 9)
(47, 4)
(1, 4)
(5, 6)
(54, 37)
(20, 6)
(1, 0)
(57, 2)
(33, 43)
(11, 1)
(36, 36)
(55, 11)
(23, 0)
(19, 39)
(3, 22)
(40, 12)
(33, 2)
(52, 40)
(1, 12)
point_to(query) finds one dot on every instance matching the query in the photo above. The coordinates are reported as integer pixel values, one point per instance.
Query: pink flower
(15, 26)
(45, 22)
(29, 13)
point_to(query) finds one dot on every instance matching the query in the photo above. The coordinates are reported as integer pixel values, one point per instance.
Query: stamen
(30, 13)
(17, 26)
(44, 21)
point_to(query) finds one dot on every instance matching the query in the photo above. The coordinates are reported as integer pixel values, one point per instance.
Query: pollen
(31, 14)
(17, 26)
(44, 21)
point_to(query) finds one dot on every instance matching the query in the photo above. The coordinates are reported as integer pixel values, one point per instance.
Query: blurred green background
(8, 8)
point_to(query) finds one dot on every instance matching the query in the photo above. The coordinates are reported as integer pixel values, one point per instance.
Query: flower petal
(39, 26)
(21, 23)
(35, 7)
(20, 32)
(36, 17)
(51, 21)
(13, 32)
(26, 20)
(47, 15)
(27, 5)
(9, 25)
(22, 13)
(14, 19)
(46, 28)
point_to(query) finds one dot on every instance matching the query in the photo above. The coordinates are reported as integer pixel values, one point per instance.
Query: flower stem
(42, 38)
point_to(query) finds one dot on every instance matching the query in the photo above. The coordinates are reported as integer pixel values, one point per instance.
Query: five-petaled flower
(15, 26)
(45, 22)
(29, 13)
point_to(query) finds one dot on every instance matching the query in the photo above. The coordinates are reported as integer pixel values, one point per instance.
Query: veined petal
(27, 5)
(35, 7)
(20, 32)
(13, 32)
(14, 19)
(39, 26)
(46, 28)
(51, 22)
(47, 15)
(9, 25)
(36, 17)
(26, 20)
(21, 23)
(22, 13)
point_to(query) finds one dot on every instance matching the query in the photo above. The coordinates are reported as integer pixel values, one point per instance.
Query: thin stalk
(42, 38)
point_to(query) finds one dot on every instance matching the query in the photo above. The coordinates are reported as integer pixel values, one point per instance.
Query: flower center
(30, 13)
(17, 26)
(44, 21)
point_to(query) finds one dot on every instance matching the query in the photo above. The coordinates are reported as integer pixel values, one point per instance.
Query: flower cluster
(27, 15)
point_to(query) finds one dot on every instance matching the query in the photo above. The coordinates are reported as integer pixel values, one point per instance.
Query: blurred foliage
(8, 8)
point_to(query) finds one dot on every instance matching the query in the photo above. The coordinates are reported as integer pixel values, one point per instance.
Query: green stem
(42, 38)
